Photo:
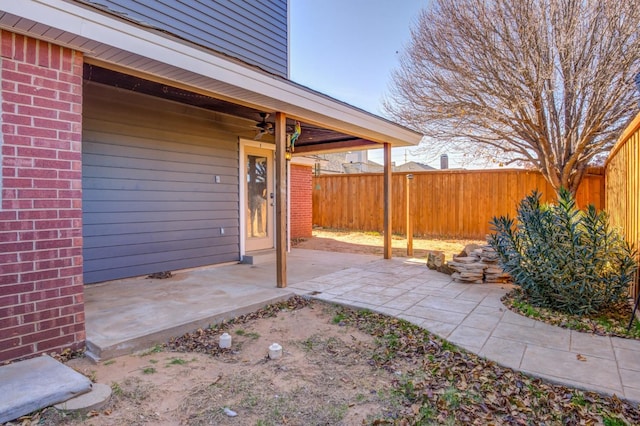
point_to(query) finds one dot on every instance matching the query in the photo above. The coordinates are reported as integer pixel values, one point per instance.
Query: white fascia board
(298, 102)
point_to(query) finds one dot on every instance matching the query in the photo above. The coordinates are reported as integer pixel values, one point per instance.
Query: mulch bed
(614, 322)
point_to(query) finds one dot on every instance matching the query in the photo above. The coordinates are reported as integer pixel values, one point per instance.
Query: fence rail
(444, 203)
(623, 185)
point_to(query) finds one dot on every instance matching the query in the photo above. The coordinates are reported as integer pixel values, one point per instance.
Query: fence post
(409, 226)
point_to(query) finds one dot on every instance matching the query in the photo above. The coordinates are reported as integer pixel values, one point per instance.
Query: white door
(258, 198)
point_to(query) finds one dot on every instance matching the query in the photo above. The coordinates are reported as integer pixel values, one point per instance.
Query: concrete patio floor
(127, 315)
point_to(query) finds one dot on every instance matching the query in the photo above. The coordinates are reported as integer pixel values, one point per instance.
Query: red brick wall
(41, 295)
(301, 201)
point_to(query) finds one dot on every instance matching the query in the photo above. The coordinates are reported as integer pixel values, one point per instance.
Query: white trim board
(107, 38)
(242, 169)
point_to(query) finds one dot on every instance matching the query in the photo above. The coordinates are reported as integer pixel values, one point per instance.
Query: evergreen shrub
(563, 258)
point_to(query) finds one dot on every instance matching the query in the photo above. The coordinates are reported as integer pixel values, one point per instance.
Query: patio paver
(486, 322)
(442, 329)
(627, 359)
(589, 344)
(554, 338)
(508, 352)
(471, 338)
(473, 317)
(565, 365)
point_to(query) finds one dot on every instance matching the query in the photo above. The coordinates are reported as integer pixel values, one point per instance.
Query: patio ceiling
(311, 139)
(224, 84)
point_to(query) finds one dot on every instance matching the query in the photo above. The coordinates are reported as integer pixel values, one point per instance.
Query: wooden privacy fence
(443, 203)
(622, 171)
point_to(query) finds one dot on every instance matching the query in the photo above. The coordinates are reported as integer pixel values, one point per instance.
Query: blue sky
(348, 49)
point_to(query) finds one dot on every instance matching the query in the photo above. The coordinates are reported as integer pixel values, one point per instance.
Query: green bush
(563, 258)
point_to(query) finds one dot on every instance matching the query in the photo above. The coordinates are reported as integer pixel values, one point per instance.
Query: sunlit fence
(460, 203)
(443, 203)
(623, 184)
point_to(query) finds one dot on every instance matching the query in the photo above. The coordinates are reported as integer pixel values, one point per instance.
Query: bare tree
(547, 83)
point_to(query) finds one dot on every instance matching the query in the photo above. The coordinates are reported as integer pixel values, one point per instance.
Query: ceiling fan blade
(264, 126)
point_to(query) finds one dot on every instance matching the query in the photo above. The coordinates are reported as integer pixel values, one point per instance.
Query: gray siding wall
(254, 31)
(150, 201)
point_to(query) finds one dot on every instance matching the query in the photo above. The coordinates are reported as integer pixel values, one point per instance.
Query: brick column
(301, 201)
(41, 294)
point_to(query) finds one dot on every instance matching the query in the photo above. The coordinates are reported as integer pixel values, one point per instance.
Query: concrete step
(32, 384)
(259, 257)
(105, 349)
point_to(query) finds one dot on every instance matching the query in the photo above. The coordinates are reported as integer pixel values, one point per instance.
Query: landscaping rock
(465, 259)
(493, 273)
(468, 250)
(436, 261)
(445, 269)
(478, 264)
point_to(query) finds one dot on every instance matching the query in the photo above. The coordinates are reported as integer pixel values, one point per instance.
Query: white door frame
(242, 184)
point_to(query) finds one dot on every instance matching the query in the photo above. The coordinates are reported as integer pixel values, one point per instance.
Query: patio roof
(110, 41)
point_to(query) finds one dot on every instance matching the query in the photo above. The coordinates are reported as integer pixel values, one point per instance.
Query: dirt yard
(324, 377)
(339, 367)
(373, 243)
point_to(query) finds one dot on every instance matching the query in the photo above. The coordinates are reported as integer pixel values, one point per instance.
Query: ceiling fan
(264, 127)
